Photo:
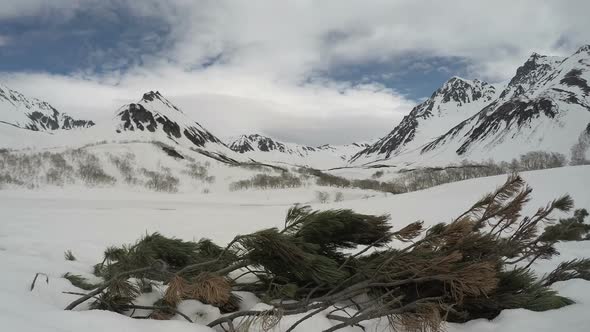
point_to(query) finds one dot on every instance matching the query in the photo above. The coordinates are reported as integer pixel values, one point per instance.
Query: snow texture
(38, 226)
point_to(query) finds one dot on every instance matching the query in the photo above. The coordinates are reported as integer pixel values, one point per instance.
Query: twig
(133, 306)
(309, 315)
(94, 297)
(35, 279)
(233, 267)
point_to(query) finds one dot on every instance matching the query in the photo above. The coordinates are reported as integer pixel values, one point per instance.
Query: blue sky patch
(414, 76)
(89, 39)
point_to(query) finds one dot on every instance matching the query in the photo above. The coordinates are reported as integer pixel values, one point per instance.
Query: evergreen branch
(107, 284)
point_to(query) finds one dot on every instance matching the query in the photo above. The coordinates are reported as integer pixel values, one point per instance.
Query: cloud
(242, 66)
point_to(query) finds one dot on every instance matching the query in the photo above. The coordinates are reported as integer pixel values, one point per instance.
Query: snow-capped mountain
(266, 149)
(456, 100)
(545, 106)
(33, 114)
(260, 143)
(156, 118)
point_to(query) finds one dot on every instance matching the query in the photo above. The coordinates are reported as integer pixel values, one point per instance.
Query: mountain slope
(266, 149)
(33, 114)
(545, 106)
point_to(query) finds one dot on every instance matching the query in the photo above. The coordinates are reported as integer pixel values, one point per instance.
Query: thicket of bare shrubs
(422, 178)
(330, 180)
(79, 165)
(266, 181)
(34, 169)
(410, 180)
(90, 170)
(470, 268)
(162, 180)
(126, 166)
(200, 172)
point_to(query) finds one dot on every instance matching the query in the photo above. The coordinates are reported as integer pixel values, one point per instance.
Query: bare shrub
(7, 179)
(338, 196)
(125, 166)
(377, 175)
(160, 181)
(90, 171)
(579, 150)
(322, 196)
(54, 177)
(200, 172)
(60, 172)
(59, 162)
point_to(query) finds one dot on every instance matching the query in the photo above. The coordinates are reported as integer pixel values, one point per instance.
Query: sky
(311, 72)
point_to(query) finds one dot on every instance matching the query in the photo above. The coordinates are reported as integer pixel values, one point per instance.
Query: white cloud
(271, 51)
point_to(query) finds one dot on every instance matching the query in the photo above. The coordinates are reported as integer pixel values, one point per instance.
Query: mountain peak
(530, 73)
(456, 80)
(151, 95)
(30, 113)
(535, 56)
(256, 142)
(585, 48)
(460, 90)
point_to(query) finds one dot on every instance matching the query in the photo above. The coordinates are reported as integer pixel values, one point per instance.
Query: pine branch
(109, 282)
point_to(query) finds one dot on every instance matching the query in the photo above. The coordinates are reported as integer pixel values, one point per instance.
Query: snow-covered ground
(36, 227)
